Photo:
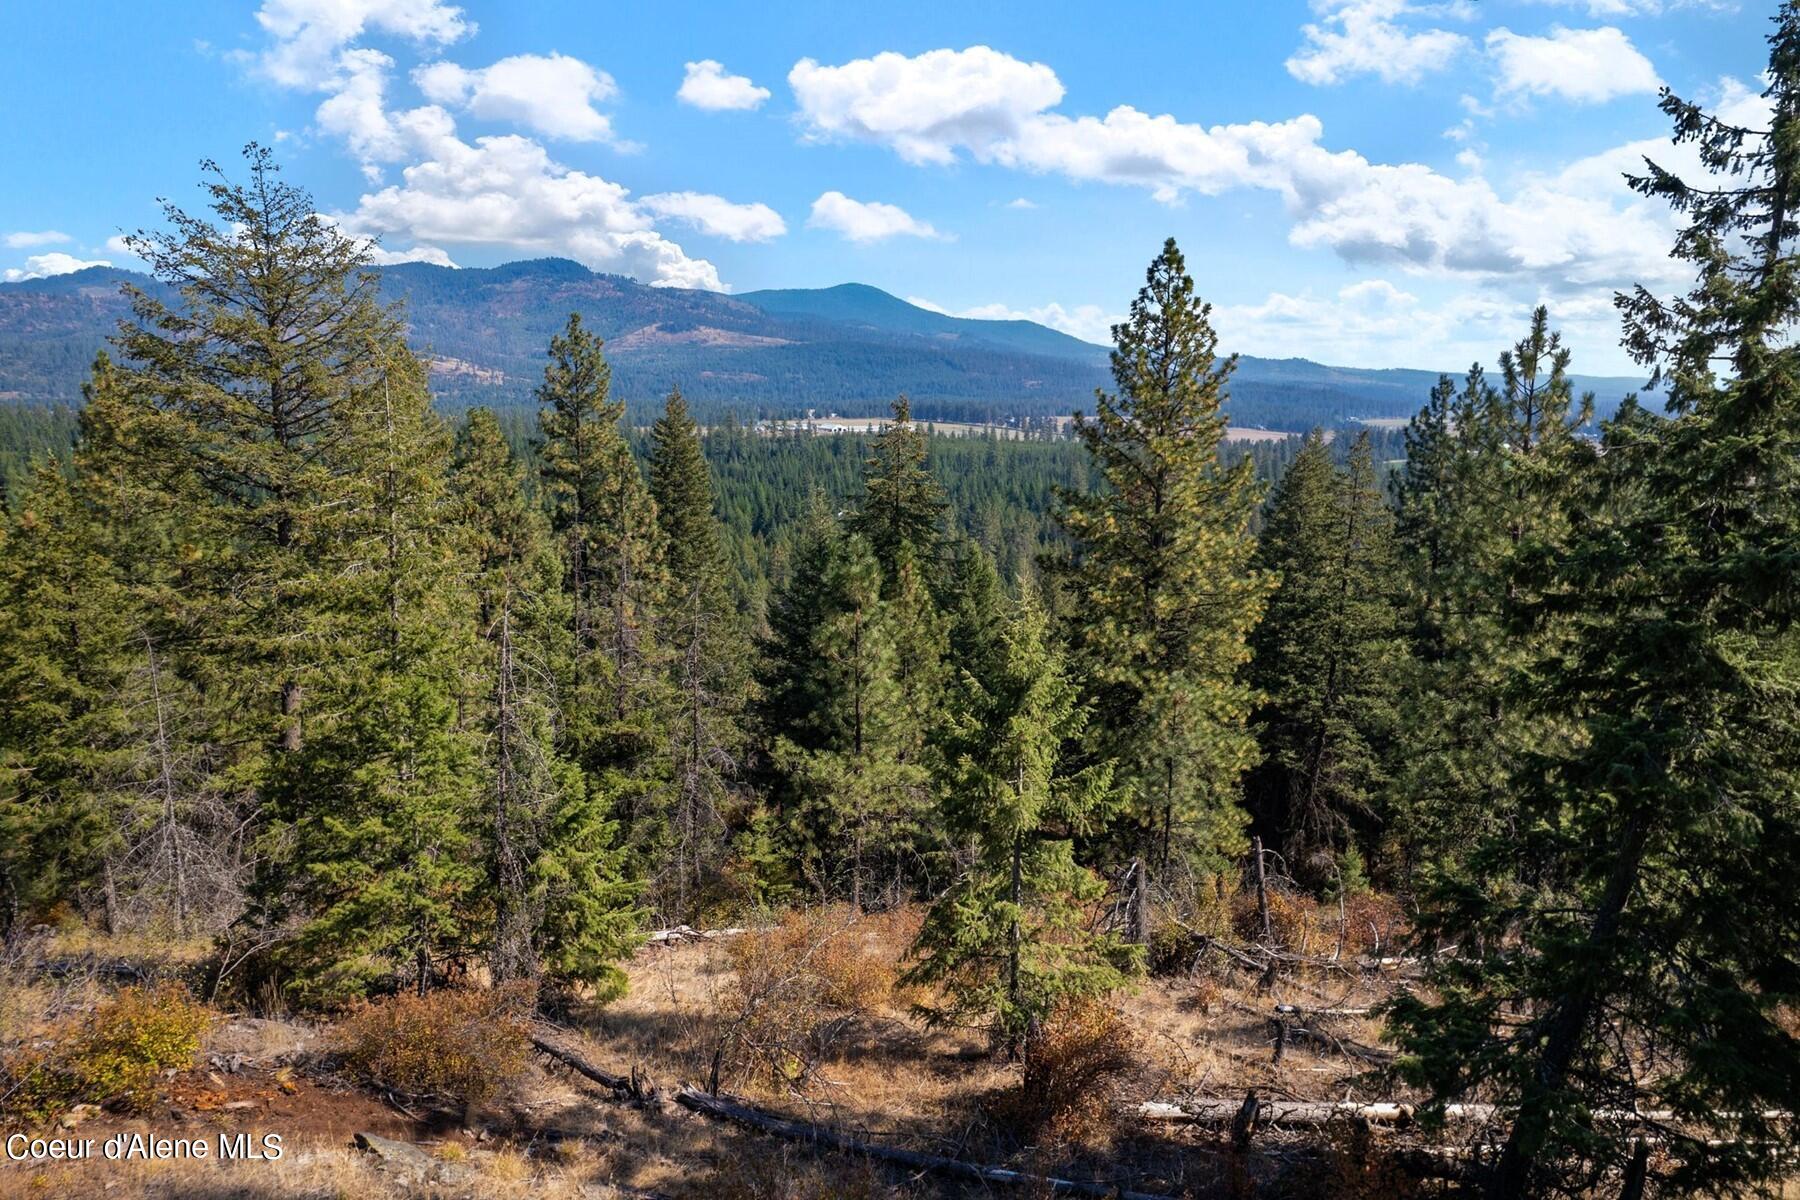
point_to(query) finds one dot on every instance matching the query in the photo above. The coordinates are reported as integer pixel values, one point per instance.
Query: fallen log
(1296, 1010)
(621, 1084)
(687, 933)
(719, 1108)
(1322, 1112)
(1302, 1112)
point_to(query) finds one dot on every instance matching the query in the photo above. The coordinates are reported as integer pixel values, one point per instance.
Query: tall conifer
(708, 663)
(1326, 662)
(1160, 593)
(1654, 833)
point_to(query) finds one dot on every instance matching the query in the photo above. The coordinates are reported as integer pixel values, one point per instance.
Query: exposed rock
(403, 1160)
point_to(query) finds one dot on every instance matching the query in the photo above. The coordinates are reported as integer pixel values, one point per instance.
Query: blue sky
(1363, 182)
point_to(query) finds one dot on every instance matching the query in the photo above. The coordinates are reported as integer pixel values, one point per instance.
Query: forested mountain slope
(848, 349)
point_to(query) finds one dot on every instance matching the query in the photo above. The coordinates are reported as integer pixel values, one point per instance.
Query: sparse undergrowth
(797, 989)
(111, 1055)
(1074, 1067)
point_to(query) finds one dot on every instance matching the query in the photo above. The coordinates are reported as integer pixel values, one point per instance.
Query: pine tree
(1651, 948)
(1490, 469)
(1159, 593)
(853, 796)
(788, 680)
(1326, 659)
(378, 808)
(244, 388)
(64, 727)
(1009, 938)
(709, 665)
(978, 617)
(606, 524)
(903, 507)
(515, 579)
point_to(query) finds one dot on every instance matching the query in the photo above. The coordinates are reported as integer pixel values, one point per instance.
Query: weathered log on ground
(1302, 1112)
(630, 1085)
(1301, 1011)
(825, 1136)
(1322, 1112)
(687, 933)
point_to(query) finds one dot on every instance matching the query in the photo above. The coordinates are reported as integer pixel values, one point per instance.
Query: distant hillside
(848, 349)
(865, 307)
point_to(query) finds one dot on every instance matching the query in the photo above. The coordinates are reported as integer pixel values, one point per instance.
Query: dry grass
(310, 1173)
(824, 982)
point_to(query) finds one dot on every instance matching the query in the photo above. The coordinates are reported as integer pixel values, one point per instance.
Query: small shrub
(460, 1045)
(1075, 1064)
(798, 986)
(111, 1055)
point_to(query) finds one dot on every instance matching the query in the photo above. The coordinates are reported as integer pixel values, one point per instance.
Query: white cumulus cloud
(306, 35)
(866, 221)
(718, 216)
(434, 255)
(1586, 66)
(356, 110)
(1364, 324)
(1364, 37)
(550, 94)
(508, 191)
(24, 239)
(706, 85)
(928, 106)
(42, 266)
(1580, 227)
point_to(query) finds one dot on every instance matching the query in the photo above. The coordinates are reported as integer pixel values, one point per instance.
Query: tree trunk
(1567, 1023)
(1012, 937)
(1262, 892)
(290, 712)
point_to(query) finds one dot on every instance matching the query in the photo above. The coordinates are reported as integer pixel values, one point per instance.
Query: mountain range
(848, 349)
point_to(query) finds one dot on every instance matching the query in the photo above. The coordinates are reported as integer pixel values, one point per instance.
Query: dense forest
(1000, 489)
(378, 701)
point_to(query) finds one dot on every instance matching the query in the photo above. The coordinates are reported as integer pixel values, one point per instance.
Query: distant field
(825, 426)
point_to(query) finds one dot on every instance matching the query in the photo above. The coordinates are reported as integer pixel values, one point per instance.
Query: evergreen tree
(606, 524)
(1489, 471)
(563, 902)
(903, 507)
(244, 388)
(612, 555)
(978, 618)
(709, 665)
(1010, 938)
(788, 679)
(854, 796)
(64, 642)
(1326, 659)
(377, 809)
(515, 579)
(275, 421)
(1160, 594)
(1670, 816)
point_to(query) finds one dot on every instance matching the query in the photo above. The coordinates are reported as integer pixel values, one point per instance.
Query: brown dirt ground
(889, 1077)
